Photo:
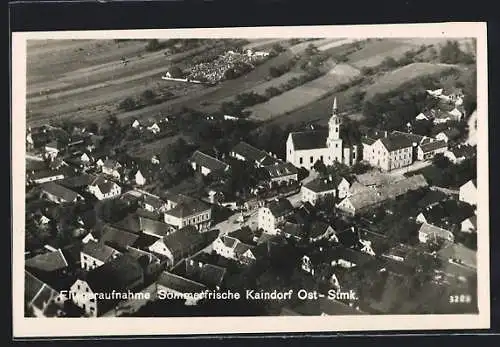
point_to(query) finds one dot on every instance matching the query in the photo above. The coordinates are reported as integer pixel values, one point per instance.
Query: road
(418, 165)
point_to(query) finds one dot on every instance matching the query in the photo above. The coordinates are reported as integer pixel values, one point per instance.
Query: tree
(176, 72)
(154, 45)
(441, 162)
(127, 104)
(389, 63)
(148, 96)
(272, 92)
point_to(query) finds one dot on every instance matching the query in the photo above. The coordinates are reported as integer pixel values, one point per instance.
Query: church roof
(309, 139)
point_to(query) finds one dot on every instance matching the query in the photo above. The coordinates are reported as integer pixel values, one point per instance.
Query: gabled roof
(209, 162)
(183, 241)
(376, 178)
(309, 139)
(293, 229)
(228, 241)
(60, 191)
(188, 207)
(414, 138)
(318, 228)
(153, 201)
(241, 248)
(432, 146)
(47, 262)
(79, 181)
(212, 274)
(430, 229)
(473, 220)
(280, 207)
(249, 152)
(395, 142)
(117, 237)
(39, 294)
(103, 184)
(451, 133)
(130, 223)
(99, 250)
(111, 164)
(118, 274)
(323, 184)
(178, 283)
(279, 169)
(369, 197)
(154, 227)
(463, 151)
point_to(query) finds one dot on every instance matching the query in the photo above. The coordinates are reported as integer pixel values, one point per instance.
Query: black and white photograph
(306, 179)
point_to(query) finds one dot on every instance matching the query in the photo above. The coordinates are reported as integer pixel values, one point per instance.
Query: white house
(104, 189)
(84, 158)
(155, 129)
(389, 152)
(324, 186)
(304, 149)
(225, 246)
(94, 254)
(468, 192)
(206, 164)
(182, 211)
(428, 150)
(136, 124)
(429, 232)
(469, 225)
(99, 163)
(112, 168)
(448, 135)
(155, 160)
(273, 215)
(139, 178)
(436, 92)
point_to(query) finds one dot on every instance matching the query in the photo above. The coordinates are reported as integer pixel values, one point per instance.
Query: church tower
(334, 142)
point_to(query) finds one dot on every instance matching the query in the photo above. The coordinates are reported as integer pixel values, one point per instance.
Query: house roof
(249, 152)
(183, 240)
(293, 229)
(431, 197)
(309, 139)
(47, 262)
(430, 229)
(323, 184)
(212, 275)
(228, 241)
(111, 164)
(188, 207)
(432, 146)
(244, 234)
(118, 274)
(473, 220)
(141, 255)
(414, 138)
(60, 191)
(279, 169)
(79, 181)
(38, 294)
(103, 184)
(318, 228)
(369, 197)
(371, 178)
(451, 133)
(153, 201)
(178, 283)
(395, 142)
(207, 161)
(99, 250)
(280, 207)
(241, 248)
(130, 223)
(463, 151)
(154, 227)
(45, 174)
(117, 237)
(460, 254)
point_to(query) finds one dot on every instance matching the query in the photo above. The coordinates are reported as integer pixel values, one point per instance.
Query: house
(154, 227)
(153, 203)
(51, 267)
(139, 178)
(245, 152)
(321, 231)
(116, 238)
(105, 286)
(59, 194)
(448, 135)
(99, 163)
(136, 124)
(206, 164)
(232, 248)
(436, 92)
(273, 214)
(468, 192)
(112, 168)
(293, 231)
(469, 225)
(177, 285)
(369, 198)
(95, 254)
(372, 179)
(40, 298)
(84, 158)
(279, 173)
(429, 150)
(154, 128)
(183, 211)
(102, 189)
(150, 263)
(52, 149)
(44, 176)
(459, 153)
(155, 160)
(458, 254)
(392, 151)
(179, 244)
(431, 232)
(425, 115)
(320, 187)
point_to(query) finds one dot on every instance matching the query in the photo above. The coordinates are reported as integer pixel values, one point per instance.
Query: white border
(33, 327)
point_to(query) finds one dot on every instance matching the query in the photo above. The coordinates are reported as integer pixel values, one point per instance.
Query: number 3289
(460, 299)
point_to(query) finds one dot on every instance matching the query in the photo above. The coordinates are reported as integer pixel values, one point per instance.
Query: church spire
(334, 105)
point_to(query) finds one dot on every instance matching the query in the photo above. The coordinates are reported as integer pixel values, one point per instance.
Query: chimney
(385, 133)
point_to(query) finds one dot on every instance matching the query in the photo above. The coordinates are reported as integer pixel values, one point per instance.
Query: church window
(321, 158)
(336, 145)
(311, 159)
(336, 129)
(354, 155)
(300, 160)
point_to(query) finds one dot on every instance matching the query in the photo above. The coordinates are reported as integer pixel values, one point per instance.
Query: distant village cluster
(329, 228)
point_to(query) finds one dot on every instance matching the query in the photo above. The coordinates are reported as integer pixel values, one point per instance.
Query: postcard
(250, 180)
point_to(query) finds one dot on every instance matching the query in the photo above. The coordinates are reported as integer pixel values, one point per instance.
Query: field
(139, 149)
(375, 51)
(396, 78)
(305, 94)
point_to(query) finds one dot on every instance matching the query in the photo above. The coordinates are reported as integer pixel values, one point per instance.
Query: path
(417, 165)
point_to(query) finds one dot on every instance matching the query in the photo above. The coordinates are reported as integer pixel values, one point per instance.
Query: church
(304, 148)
